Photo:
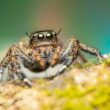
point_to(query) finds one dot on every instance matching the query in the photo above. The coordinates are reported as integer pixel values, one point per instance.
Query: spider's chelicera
(44, 51)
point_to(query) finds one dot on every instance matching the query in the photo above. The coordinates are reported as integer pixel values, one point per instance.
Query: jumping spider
(45, 53)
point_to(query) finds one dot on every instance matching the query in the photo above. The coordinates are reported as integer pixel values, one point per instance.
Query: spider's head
(43, 38)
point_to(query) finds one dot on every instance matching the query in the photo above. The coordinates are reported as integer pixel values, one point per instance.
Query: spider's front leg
(72, 51)
(69, 53)
(90, 50)
(66, 57)
(23, 77)
(15, 69)
(12, 61)
(21, 58)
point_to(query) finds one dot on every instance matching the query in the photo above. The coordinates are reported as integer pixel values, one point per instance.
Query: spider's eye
(35, 35)
(40, 36)
(53, 33)
(49, 36)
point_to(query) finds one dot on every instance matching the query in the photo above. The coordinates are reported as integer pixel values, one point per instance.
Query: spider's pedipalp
(69, 53)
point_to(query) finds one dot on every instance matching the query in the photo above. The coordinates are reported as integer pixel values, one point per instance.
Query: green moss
(107, 61)
(79, 105)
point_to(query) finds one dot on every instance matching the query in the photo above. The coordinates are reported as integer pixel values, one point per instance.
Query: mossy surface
(81, 87)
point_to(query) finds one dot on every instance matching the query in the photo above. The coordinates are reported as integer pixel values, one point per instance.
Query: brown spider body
(44, 51)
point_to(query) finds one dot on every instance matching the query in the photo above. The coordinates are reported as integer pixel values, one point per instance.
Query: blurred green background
(88, 20)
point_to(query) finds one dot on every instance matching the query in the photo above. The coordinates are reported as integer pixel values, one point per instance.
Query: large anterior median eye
(40, 36)
(49, 35)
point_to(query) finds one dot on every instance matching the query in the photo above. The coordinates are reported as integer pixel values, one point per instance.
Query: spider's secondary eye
(49, 35)
(40, 36)
(35, 35)
(53, 33)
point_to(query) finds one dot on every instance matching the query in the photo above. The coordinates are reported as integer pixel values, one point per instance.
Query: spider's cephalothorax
(45, 53)
(45, 46)
(43, 38)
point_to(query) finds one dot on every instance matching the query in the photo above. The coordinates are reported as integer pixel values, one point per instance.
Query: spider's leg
(29, 60)
(22, 56)
(10, 72)
(69, 53)
(7, 59)
(23, 78)
(90, 50)
(41, 63)
(1, 72)
(66, 57)
(16, 68)
(12, 59)
(55, 56)
(3, 65)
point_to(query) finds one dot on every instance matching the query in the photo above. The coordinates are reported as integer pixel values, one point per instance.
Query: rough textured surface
(81, 87)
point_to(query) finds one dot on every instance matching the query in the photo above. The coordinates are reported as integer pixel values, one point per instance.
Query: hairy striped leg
(70, 53)
(90, 50)
(12, 61)
(20, 58)
(3, 65)
(14, 68)
(55, 57)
